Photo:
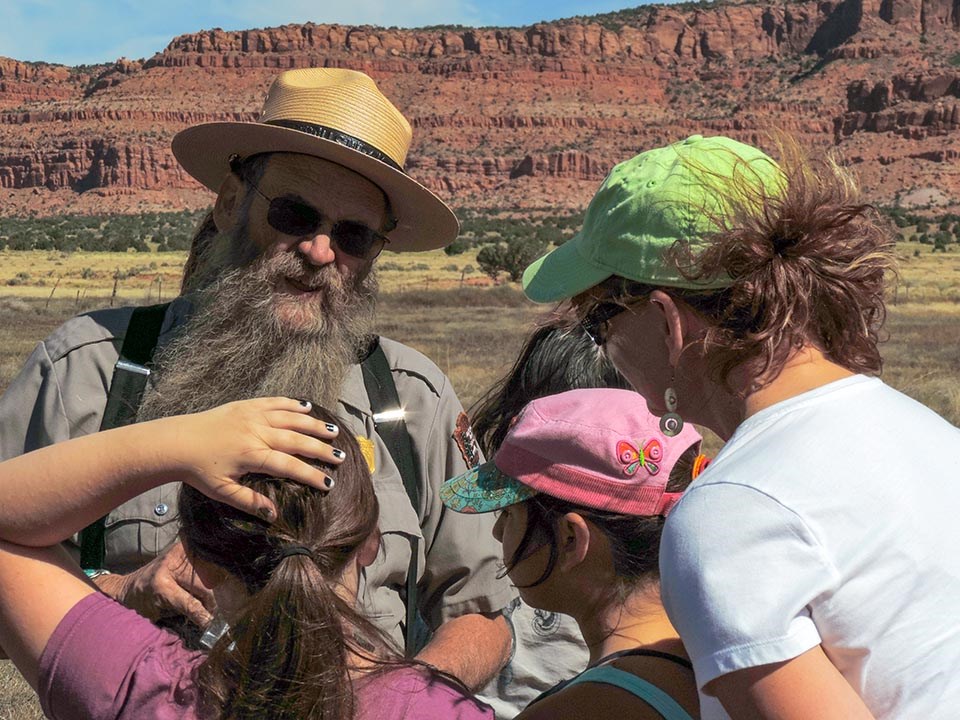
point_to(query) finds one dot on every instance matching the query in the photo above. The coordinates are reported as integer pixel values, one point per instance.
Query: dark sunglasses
(292, 216)
(597, 320)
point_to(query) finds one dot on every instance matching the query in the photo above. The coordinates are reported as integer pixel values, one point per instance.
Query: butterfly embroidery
(634, 459)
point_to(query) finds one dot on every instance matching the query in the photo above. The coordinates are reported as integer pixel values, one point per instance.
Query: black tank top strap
(644, 652)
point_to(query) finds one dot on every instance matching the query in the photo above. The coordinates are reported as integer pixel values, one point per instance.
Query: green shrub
(21, 278)
(510, 257)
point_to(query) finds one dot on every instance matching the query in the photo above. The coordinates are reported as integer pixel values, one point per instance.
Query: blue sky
(74, 32)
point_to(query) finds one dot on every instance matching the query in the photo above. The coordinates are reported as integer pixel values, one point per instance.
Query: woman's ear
(369, 549)
(574, 536)
(226, 210)
(675, 321)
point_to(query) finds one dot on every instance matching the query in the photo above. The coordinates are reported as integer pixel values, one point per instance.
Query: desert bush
(458, 246)
(511, 257)
(21, 278)
(118, 233)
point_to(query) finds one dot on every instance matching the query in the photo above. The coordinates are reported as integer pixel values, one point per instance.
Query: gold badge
(366, 449)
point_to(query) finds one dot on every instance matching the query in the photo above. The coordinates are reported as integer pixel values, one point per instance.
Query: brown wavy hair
(290, 653)
(808, 264)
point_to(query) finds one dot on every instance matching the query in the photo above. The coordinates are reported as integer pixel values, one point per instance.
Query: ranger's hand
(166, 586)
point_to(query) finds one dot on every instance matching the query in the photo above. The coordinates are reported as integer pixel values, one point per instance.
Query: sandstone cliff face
(514, 116)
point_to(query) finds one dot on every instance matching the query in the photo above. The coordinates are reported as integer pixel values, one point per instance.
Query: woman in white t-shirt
(814, 569)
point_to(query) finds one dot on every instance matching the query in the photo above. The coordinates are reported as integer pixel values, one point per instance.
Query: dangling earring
(671, 423)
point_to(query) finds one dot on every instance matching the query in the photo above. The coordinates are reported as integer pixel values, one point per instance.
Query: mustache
(274, 268)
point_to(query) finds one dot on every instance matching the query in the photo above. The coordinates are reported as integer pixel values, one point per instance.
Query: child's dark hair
(288, 654)
(555, 358)
(558, 357)
(634, 539)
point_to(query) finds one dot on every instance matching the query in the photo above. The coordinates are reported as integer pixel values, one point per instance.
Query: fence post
(50, 297)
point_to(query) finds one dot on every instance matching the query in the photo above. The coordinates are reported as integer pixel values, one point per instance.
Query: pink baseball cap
(599, 448)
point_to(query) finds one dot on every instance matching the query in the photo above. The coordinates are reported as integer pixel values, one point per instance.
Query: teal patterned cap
(483, 489)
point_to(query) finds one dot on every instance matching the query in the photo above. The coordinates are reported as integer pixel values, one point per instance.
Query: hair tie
(290, 550)
(782, 242)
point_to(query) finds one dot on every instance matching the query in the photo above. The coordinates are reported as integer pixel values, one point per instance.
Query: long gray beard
(236, 346)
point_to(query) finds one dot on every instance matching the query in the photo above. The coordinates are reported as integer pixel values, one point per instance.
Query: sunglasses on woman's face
(596, 322)
(292, 216)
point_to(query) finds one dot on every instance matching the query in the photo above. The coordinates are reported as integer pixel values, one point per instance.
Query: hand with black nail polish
(212, 450)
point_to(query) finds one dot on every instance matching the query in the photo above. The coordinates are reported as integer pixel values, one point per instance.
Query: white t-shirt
(547, 649)
(831, 518)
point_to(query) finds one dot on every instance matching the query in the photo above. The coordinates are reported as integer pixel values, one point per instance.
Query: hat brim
(424, 220)
(483, 489)
(562, 273)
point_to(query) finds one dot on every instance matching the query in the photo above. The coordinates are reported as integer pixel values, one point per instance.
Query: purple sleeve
(106, 661)
(413, 694)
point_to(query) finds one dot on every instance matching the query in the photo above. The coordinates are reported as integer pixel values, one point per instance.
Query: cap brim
(424, 220)
(483, 489)
(562, 273)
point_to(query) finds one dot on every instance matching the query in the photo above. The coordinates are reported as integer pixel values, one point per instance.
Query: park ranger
(282, 303)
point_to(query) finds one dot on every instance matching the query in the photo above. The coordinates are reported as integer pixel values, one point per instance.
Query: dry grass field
(92, 279)
(473, 333)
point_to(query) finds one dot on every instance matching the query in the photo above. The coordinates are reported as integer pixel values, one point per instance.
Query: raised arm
(74, 483)
(77, 481)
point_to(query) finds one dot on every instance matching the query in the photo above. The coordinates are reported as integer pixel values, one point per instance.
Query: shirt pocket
(142, 528)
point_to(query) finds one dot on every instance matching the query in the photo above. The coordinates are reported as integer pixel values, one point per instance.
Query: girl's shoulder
(412, 692)
(146, 673)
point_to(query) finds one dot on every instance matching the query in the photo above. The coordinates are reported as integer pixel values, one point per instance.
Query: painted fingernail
(329, 482)
(305, 403)
(332, 428)
(339, 454)
(267, 514)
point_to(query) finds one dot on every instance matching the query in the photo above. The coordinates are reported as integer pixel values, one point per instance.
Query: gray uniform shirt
(61, 391)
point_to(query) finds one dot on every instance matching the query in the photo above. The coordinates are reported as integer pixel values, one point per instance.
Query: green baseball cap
(647, 204)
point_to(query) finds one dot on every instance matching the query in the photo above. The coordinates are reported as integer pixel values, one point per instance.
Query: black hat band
(341, 138)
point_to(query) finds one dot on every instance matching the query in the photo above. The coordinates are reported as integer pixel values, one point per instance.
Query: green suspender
(382, 392)
(126, 391)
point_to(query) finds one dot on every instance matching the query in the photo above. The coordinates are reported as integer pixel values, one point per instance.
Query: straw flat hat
(340, 116)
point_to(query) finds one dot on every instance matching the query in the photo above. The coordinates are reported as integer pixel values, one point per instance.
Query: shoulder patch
(366, 449)
(466, 441)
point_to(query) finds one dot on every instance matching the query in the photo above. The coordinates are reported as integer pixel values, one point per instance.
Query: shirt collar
(353, 393)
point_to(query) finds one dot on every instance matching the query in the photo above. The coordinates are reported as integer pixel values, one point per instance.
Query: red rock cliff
(509, 116)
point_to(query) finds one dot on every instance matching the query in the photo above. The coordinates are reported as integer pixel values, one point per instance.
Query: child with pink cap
(583, 482)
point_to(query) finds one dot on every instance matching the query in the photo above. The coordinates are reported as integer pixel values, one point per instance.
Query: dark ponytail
(555, 358)
(288, 654)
